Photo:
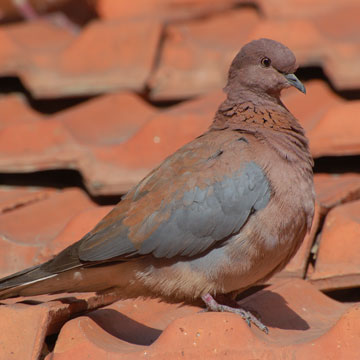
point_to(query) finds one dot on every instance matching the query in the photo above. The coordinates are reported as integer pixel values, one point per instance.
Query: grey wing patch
(209, 215)
(196, 222)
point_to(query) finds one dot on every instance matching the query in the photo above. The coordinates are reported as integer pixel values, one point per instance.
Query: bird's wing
(194, 200)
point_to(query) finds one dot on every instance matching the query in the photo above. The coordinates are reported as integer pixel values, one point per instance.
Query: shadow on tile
(274, 311)
(124, 328)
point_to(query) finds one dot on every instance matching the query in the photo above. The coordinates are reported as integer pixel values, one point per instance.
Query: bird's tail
(37, 280)
(26, 282)
(64, 273)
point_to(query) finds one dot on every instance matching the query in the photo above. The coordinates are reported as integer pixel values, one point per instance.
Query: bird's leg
(213, 305)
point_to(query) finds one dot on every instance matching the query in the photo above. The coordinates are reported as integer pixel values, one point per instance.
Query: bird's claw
(213, 305)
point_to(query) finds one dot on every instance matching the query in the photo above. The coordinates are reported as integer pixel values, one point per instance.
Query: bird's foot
(213, 305)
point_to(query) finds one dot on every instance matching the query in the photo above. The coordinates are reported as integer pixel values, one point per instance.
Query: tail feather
(37, 281)
(22, 277)
(12, 285)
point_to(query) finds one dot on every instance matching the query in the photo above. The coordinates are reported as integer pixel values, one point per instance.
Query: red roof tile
(41, 221)
(337, 132)
(310, 108)
(26, 43)
(342, 65)
(301, 8)
(38, 36)
(169, 331)
(196, 55)
(107, 120)
(14, 197)
(167, 10)
(337, 260)
(334, 190)
(123, 61)
(24, 326)
(15, 111)
(40, 145)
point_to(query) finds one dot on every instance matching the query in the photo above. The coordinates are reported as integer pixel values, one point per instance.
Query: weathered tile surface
(166, 10)
(27, 228)
(337, 132)
(334, 190)
(15, 111)
(106, 120)
(123, 61)
(196, 55)
(297, 315)
(337, 263)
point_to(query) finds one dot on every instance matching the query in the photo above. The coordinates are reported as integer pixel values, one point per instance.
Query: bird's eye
(265, 62)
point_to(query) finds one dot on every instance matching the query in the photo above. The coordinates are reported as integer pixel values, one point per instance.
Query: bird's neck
(255, 113)
(270, 121)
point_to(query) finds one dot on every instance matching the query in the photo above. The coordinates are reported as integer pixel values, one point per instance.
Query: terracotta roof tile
(337, 259)
(15, 111)
(107, 120)
(334, 190)
(38, 36)
(20, 245)
(36, 146)
(166, 10)
(337, 132)
(70, 138)
(300, 8)
(26, 43)
(196, 55)
(342, 65)
(310, 108)
(10, 54)
(170, 331)
(14, 197)
(123, 61)
(342, 23)
(26, 323)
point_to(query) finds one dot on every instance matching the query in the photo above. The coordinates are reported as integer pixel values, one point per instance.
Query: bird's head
(263, 66)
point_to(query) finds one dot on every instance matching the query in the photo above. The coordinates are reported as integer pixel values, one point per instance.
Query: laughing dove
(224, 212)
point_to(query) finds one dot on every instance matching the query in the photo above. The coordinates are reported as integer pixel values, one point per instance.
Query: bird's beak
(294, 81)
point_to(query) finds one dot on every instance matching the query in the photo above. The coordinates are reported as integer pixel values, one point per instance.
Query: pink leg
(213, 305)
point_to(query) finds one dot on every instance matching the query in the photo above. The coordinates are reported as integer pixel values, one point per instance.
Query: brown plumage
(223, 213)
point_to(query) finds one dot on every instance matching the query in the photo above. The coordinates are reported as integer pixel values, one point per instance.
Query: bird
(223, 213)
